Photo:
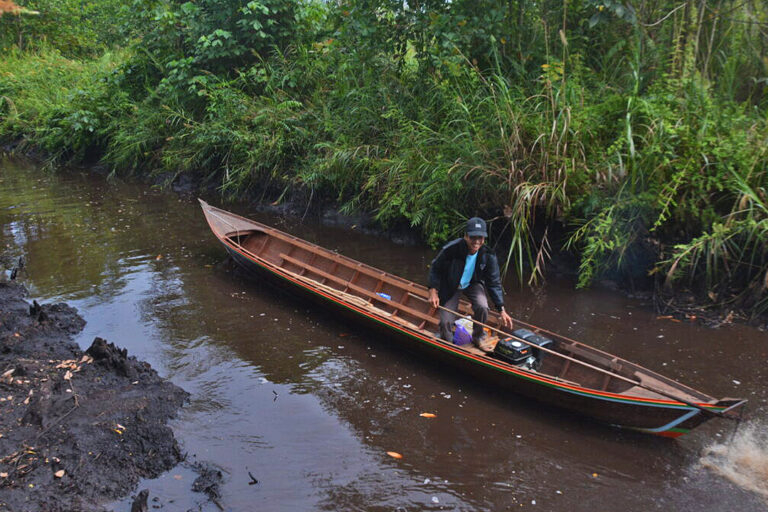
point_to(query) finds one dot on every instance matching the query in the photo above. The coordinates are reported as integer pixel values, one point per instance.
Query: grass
(671, 180)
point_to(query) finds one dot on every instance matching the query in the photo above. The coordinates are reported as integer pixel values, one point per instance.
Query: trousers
(475, 292)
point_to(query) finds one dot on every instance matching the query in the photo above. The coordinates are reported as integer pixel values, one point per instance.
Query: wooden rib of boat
(571, 375)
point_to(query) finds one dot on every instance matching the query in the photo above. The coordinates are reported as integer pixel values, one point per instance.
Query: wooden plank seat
(398, 307)
(588, 355)
(650, 381)
(367, 270)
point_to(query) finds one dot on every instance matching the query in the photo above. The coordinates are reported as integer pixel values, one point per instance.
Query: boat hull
(654, 417)
(656, 413)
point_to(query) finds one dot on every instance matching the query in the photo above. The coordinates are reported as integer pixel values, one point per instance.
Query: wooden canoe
(572, 375)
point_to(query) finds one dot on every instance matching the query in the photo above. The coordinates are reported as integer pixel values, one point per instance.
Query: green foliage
(675, 173)
(605, 10)
(640, 130)
(611, 241)
(190, 40)
(729, 261)
(73, 27)
(58, 104)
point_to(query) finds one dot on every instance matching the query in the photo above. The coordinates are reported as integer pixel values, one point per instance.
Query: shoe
(481, 342)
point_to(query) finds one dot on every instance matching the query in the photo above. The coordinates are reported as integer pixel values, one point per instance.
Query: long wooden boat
(570, 374)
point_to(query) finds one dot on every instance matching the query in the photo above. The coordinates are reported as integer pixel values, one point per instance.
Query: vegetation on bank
(632, 134)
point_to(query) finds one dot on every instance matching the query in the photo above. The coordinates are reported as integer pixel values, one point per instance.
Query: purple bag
(461, 336)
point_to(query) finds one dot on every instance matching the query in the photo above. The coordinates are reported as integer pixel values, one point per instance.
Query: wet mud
(77, 429)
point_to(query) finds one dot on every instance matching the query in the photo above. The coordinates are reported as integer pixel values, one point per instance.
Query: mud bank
(77, 429)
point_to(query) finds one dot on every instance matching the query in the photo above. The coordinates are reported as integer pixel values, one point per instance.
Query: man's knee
(480, 304)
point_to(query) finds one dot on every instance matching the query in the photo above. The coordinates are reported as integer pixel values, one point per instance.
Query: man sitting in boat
(465, 266)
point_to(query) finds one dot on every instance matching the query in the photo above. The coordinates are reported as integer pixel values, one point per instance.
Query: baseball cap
(476, 227)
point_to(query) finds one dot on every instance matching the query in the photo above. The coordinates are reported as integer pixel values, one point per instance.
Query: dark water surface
(310, 405)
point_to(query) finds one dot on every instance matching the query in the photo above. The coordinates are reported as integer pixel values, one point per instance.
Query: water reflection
(311, 405)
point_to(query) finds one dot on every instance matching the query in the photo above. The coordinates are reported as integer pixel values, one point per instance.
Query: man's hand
(506, 320)
(433, 298)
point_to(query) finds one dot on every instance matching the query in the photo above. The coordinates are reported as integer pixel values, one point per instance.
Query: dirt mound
(77, 429)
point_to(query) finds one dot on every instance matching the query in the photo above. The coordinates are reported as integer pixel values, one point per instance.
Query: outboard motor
(526, 355)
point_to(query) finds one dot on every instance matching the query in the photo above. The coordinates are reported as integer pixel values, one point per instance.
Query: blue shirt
(469, 269)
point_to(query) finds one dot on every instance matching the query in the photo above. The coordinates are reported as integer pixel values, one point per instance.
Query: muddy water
(309, 405)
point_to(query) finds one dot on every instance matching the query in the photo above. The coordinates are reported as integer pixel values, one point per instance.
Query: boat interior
(399, 300)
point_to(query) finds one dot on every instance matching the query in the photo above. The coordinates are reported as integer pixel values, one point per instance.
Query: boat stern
(728, 408)
(731, 408)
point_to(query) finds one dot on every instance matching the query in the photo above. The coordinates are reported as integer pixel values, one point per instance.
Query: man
(466, 267)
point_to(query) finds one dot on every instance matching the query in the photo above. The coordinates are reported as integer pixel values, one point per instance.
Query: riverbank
(78, 429)
(679, 302)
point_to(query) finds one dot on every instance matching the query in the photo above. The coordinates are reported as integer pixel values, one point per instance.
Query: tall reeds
(634, 158)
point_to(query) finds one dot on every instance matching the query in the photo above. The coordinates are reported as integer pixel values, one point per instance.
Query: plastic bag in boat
(462, 334)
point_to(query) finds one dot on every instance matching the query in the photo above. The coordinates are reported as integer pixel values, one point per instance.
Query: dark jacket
(448, 265)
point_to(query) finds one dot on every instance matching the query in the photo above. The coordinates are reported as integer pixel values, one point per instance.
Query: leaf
(59, 473)
(428, 415)
(68, 375)
(395, 455)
